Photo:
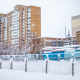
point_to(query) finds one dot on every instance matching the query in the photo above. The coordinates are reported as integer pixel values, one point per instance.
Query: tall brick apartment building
(20, 25)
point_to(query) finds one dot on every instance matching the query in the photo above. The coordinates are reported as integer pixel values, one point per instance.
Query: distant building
(52, 42)
(19, 26)
(58, 42)
(75, 22)
(24, 23)
(78, 37)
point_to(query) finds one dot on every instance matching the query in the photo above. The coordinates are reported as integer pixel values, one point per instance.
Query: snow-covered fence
(33, 63)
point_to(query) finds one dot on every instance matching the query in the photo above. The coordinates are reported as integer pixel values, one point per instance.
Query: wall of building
(75, 21)
(15, 27)
(2, 26)
(9, 29)
(36, 21)
(58, 42)
(78, 37)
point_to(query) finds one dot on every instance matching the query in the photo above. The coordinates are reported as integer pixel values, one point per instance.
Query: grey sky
(55, 14)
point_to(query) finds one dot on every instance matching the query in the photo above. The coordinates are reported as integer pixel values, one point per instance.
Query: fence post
(11, 63)
(59, 57)
(72, 69)
(73, 65)
(46, 66)
(0, 64)
(25, 65)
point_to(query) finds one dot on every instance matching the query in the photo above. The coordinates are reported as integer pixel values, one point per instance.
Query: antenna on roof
(65, 31)
(68, 33)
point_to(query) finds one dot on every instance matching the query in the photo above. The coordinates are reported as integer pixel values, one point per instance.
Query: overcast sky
(55, 14)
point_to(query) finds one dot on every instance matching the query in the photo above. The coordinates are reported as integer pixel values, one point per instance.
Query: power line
(54, 18)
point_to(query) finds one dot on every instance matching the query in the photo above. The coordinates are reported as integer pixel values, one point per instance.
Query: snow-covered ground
(6, 74)
(36, 70)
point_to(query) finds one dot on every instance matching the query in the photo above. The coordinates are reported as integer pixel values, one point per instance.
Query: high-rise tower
(20, 25)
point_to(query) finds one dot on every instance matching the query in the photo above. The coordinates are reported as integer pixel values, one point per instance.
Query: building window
(54, 44)
(29, 9)
(29, 21)
(59, 43)
(29, 26)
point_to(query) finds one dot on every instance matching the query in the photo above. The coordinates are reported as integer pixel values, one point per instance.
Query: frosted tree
(3, 48)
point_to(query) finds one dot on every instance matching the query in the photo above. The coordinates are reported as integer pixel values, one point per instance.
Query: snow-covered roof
(71, 46)
(47, 52)
(70, 50)
(57, 50)
(49, 48)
